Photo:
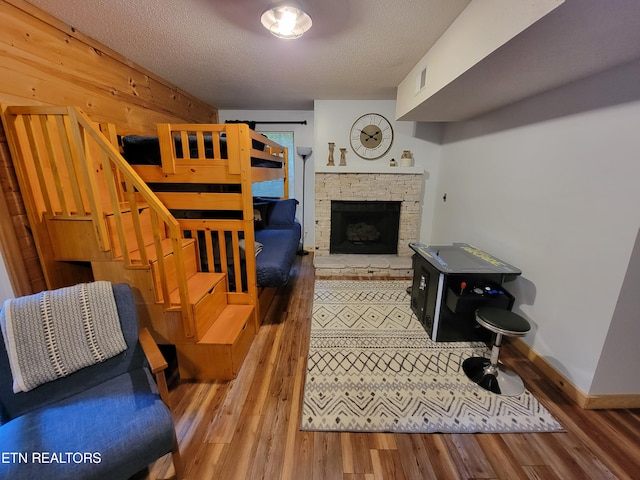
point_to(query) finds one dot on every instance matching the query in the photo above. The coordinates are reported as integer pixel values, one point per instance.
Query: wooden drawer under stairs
(220, 352)
(207, 298)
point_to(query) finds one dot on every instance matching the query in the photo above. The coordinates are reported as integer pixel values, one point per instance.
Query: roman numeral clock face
(371, 136)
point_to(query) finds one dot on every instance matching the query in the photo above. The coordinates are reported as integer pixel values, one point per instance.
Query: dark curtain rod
(301, 122)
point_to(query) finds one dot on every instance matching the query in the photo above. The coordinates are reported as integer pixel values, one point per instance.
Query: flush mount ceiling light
(286, 20)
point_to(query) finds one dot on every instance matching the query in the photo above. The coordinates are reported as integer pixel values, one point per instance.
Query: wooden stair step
(222, 349)
(230, 324)
(198, 287)
(129, 228)
(125, 207)
(167, 249)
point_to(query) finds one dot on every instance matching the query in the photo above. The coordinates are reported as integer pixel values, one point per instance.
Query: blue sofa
(106, 421)
(277, 230)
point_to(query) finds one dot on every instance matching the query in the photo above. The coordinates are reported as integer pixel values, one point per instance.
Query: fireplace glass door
(367, 227)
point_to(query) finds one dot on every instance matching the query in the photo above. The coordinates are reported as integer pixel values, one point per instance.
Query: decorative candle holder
(406, 160)
(331, 163)
(343, 158)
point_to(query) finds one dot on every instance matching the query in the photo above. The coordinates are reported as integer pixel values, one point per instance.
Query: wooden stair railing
(73, 172)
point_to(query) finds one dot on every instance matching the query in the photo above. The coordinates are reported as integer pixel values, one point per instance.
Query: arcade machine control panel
(450, 282)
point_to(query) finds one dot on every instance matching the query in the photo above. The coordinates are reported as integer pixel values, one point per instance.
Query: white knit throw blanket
(54, 333)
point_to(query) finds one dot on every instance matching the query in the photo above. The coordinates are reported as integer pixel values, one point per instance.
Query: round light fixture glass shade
(286, 21)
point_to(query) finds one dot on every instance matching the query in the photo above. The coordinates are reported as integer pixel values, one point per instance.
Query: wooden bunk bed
(194, 276)
(203, 174)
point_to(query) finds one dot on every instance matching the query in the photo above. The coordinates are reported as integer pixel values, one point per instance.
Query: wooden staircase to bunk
(93, 218)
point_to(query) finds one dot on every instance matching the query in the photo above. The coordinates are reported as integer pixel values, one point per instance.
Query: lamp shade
(286, 20)
(303, 151)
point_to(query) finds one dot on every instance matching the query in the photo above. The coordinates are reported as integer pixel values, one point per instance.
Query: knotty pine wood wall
(44, 61)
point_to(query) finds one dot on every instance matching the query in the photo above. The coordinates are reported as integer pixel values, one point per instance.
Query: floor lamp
(304, 152)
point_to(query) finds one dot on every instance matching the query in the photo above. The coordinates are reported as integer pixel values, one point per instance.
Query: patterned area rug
(372, 368)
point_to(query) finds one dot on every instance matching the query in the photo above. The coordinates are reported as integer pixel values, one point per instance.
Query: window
(275, 188)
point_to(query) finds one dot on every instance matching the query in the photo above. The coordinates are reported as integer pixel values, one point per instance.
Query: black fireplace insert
(367, 227)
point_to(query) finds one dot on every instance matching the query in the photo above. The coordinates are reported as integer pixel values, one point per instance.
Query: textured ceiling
(218, 51)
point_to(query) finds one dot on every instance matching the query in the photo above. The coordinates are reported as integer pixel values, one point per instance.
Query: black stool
(488, 373)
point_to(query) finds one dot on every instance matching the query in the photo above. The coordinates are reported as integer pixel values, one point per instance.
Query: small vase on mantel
(331, 163)
(343, 158)
(406, 160)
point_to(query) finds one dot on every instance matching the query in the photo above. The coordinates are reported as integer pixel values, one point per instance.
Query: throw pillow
(282, 212)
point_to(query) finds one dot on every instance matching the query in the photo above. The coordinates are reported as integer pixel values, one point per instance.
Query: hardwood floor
(248, 428)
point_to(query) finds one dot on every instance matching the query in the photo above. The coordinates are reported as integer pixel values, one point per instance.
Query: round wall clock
(371, 136)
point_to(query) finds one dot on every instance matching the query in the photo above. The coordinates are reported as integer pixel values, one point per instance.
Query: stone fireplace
(363, 187)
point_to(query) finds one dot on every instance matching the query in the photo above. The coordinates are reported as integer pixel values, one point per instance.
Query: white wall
(559, 199)
(619, 359)
(333, 121)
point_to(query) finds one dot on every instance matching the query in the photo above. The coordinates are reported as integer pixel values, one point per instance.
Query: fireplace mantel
(384, 168)
(383, 186)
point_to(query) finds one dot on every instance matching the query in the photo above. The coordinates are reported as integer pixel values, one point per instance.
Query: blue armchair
(105, 421)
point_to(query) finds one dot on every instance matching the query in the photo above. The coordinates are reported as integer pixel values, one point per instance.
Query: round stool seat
(489, 373)
(502, 321)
